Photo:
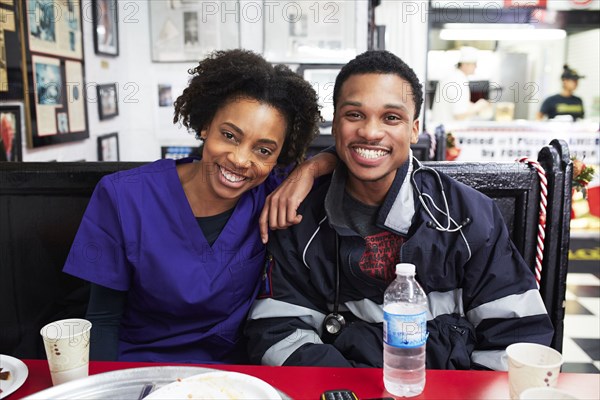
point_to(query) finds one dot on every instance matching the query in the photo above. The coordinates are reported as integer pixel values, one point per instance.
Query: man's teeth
(366, 153)
(231, 177)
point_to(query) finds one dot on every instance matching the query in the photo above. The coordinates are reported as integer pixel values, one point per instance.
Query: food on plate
(216, 385)
(4, 374)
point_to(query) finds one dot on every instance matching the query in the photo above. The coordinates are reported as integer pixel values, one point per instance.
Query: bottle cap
(405, 269)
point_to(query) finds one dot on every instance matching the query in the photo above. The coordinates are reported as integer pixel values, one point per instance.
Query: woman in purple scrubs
(173, 249)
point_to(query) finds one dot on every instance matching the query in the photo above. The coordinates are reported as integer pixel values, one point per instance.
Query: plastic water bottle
(404, 334)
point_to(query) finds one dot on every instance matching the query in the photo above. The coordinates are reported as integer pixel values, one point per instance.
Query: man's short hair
(380, 62)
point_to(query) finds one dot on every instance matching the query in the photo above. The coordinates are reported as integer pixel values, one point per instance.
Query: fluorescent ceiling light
(487, 26)
(494, 32)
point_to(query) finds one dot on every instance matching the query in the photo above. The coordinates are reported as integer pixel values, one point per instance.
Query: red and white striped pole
(541, 236)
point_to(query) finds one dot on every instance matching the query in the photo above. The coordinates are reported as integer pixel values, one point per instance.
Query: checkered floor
(581, 345)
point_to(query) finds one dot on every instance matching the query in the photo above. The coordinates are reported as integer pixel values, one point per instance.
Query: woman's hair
(380, 62)
(227, 75)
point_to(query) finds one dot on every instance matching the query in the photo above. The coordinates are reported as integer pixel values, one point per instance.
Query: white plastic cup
(67, 344)
(545, 393)
(531, 365)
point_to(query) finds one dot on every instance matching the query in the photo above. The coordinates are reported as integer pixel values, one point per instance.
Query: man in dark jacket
(381, 207)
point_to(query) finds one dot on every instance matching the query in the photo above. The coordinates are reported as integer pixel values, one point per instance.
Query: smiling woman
(241, 146)
(179, 250)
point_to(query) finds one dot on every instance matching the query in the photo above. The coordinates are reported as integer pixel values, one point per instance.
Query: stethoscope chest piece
(334, 323)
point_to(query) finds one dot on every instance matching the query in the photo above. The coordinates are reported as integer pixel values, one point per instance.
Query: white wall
(406, 31)
(583, 55)
(545, 59)
(143, 126)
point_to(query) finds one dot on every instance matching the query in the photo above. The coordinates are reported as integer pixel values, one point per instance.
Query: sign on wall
(505, 142)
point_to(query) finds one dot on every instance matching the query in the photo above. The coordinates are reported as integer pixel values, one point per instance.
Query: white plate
(122, 384)
(18, 374)
(217, 385)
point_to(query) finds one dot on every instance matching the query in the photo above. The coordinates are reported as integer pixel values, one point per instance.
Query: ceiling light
(525, 32)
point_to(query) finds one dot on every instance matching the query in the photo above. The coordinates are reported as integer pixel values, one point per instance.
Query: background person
(564, 103)
(366, 217)
(452, 100)
(172, 248)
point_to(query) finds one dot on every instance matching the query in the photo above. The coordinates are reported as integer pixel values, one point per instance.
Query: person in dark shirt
(564, 103)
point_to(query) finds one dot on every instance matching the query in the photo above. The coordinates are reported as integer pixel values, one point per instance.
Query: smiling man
(322, 292)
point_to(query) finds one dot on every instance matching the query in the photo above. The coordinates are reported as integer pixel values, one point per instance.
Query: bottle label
(405, 331)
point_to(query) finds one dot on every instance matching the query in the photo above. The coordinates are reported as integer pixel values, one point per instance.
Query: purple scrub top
(186, 300)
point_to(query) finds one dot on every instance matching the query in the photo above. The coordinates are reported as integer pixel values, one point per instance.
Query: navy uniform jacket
(478, 303)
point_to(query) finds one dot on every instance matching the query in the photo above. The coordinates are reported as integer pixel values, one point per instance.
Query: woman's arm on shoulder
(280, 207)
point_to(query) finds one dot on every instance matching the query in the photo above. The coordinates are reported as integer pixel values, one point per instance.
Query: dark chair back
(319, 144)
(421, 150)
(41, 206)
(440, 143)
(515, 187)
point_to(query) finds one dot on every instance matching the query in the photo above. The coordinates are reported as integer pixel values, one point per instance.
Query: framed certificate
(322, 78)
(187, 30)
(312, 32)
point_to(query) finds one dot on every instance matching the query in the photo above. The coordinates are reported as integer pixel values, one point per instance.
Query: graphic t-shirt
(382, 253)
(382, 248)
(561, 105)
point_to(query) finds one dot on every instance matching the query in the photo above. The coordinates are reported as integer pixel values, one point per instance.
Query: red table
(310, 382)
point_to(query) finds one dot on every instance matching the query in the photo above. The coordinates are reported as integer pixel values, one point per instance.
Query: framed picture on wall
(165, 95)
(108, 106)
(105, 17)
(51, 65)
(108, 147)
(322, 78)
(11, 69)
(312, 32)
(62, 122)
(54, 28)
(188, 30)
(11, 132)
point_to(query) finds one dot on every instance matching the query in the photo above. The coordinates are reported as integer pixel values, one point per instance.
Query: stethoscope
(451, 224)
(334, 322)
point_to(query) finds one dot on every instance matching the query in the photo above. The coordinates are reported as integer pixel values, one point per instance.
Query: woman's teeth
(366, 153)
(230, 176)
